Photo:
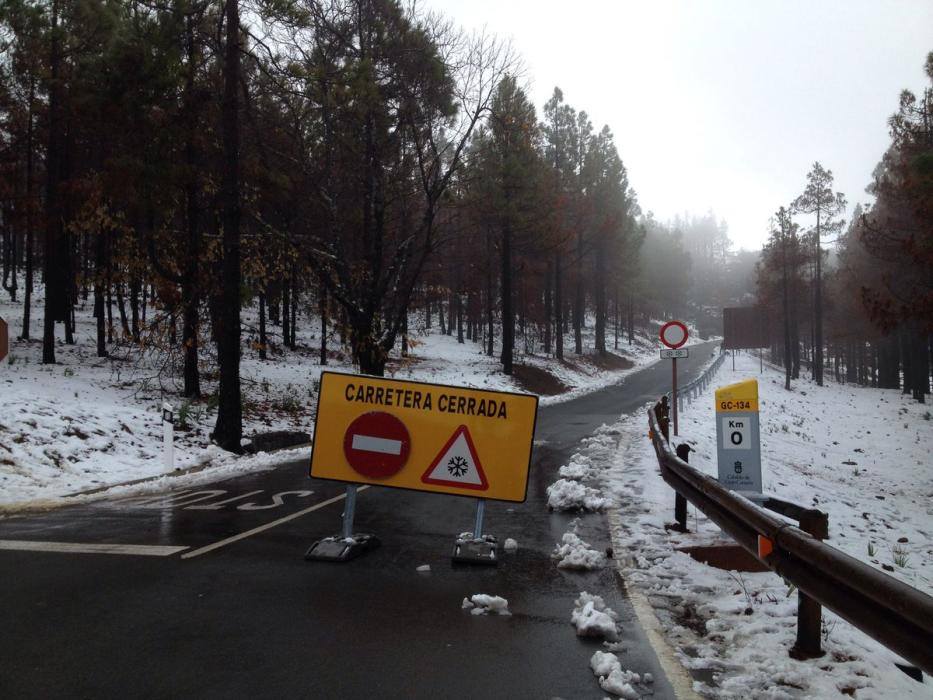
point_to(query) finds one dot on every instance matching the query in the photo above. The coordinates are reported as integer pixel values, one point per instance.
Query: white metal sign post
(673, 335)
(738, 442)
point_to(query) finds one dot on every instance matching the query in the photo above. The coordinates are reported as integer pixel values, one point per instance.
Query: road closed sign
(738, 444)
(426, 437)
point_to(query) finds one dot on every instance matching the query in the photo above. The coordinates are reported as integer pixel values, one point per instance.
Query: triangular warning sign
(457, 464)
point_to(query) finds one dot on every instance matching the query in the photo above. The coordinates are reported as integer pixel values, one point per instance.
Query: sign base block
(338, 548)
(470, 551)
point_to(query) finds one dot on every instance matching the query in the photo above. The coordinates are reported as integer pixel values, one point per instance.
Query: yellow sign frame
(501, 427)
(740, 397)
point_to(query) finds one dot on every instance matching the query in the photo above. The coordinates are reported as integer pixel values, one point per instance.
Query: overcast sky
(723, 105)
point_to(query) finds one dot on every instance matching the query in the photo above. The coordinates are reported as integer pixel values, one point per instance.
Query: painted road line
(369, 443)
(267, 526)
(141, 550)
(217, 505)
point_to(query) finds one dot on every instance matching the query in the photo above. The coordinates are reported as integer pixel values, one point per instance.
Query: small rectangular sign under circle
(426, 437)
(679, 353)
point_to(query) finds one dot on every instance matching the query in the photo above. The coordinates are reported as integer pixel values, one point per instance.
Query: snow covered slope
(86, 422)
(860, 454)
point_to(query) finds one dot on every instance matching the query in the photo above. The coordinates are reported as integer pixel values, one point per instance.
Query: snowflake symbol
(457, 466)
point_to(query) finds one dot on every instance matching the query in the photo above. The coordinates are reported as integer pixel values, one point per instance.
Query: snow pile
(578, 468)
(593, 618)
(613, 679)
(565, 494)
(576, 554)
(510, 545)
(482, 604)
(810, 438)
(424, 569)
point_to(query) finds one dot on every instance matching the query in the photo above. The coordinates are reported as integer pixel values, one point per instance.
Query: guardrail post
(809, 612)
(680, 503)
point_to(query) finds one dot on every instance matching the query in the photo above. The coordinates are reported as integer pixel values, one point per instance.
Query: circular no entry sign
(673, 334)
(376, 445)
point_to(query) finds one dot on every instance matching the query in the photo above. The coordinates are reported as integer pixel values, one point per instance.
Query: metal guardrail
(898, 616)
(692, 390)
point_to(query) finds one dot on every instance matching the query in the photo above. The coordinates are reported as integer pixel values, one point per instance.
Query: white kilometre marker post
(168, 437)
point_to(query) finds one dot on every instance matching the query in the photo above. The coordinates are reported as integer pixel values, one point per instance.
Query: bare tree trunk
(599, 292)
(292, 339)
(786, 306)
(134, 306)
(262, 326)
(53, 265)
(121, 306)
(30, 207)
(818, 309)
(548, 281)
(322, 308)
(405, 335)
(99, 295)
(508, 313)
(286, 315)
(558, 309)
(229, 428)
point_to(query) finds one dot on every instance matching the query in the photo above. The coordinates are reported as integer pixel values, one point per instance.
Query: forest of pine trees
(171, 162)
(864, 313)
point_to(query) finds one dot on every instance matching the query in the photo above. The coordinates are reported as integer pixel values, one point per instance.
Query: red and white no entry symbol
(673, 334)
(377, 445)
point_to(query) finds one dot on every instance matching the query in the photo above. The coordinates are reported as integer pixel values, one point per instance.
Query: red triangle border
(483, 486)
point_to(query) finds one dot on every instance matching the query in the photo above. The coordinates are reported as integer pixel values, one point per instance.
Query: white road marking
(184, 498)
(277, 500)
(267, 526)
(143, 550)
(220, 504)
(376, 444)
(143, 501)
(679, 678)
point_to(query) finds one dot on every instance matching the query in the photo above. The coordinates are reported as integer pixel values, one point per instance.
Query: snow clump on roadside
(613, 679)
(482, 604)
(510, 545)
(576, 554)
(578, 468)
(593, 618)
(565, 494)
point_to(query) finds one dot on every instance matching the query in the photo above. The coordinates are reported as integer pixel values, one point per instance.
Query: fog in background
(723, 104)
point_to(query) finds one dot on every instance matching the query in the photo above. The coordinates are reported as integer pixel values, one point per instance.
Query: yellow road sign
(741, 397)
(427, 437)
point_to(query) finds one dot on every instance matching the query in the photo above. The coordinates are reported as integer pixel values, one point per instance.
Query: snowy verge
(860, 455)
(89, 423)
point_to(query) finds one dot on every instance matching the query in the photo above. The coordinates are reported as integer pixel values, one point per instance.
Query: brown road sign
(4, 340)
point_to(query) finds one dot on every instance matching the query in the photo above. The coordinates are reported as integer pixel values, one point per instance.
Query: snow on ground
(576, 554)
(614, 679)
(861, 455)
(593, 618)
(87, 423)
(484, 604)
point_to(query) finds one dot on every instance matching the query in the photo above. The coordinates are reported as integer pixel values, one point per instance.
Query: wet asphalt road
(252, 618)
